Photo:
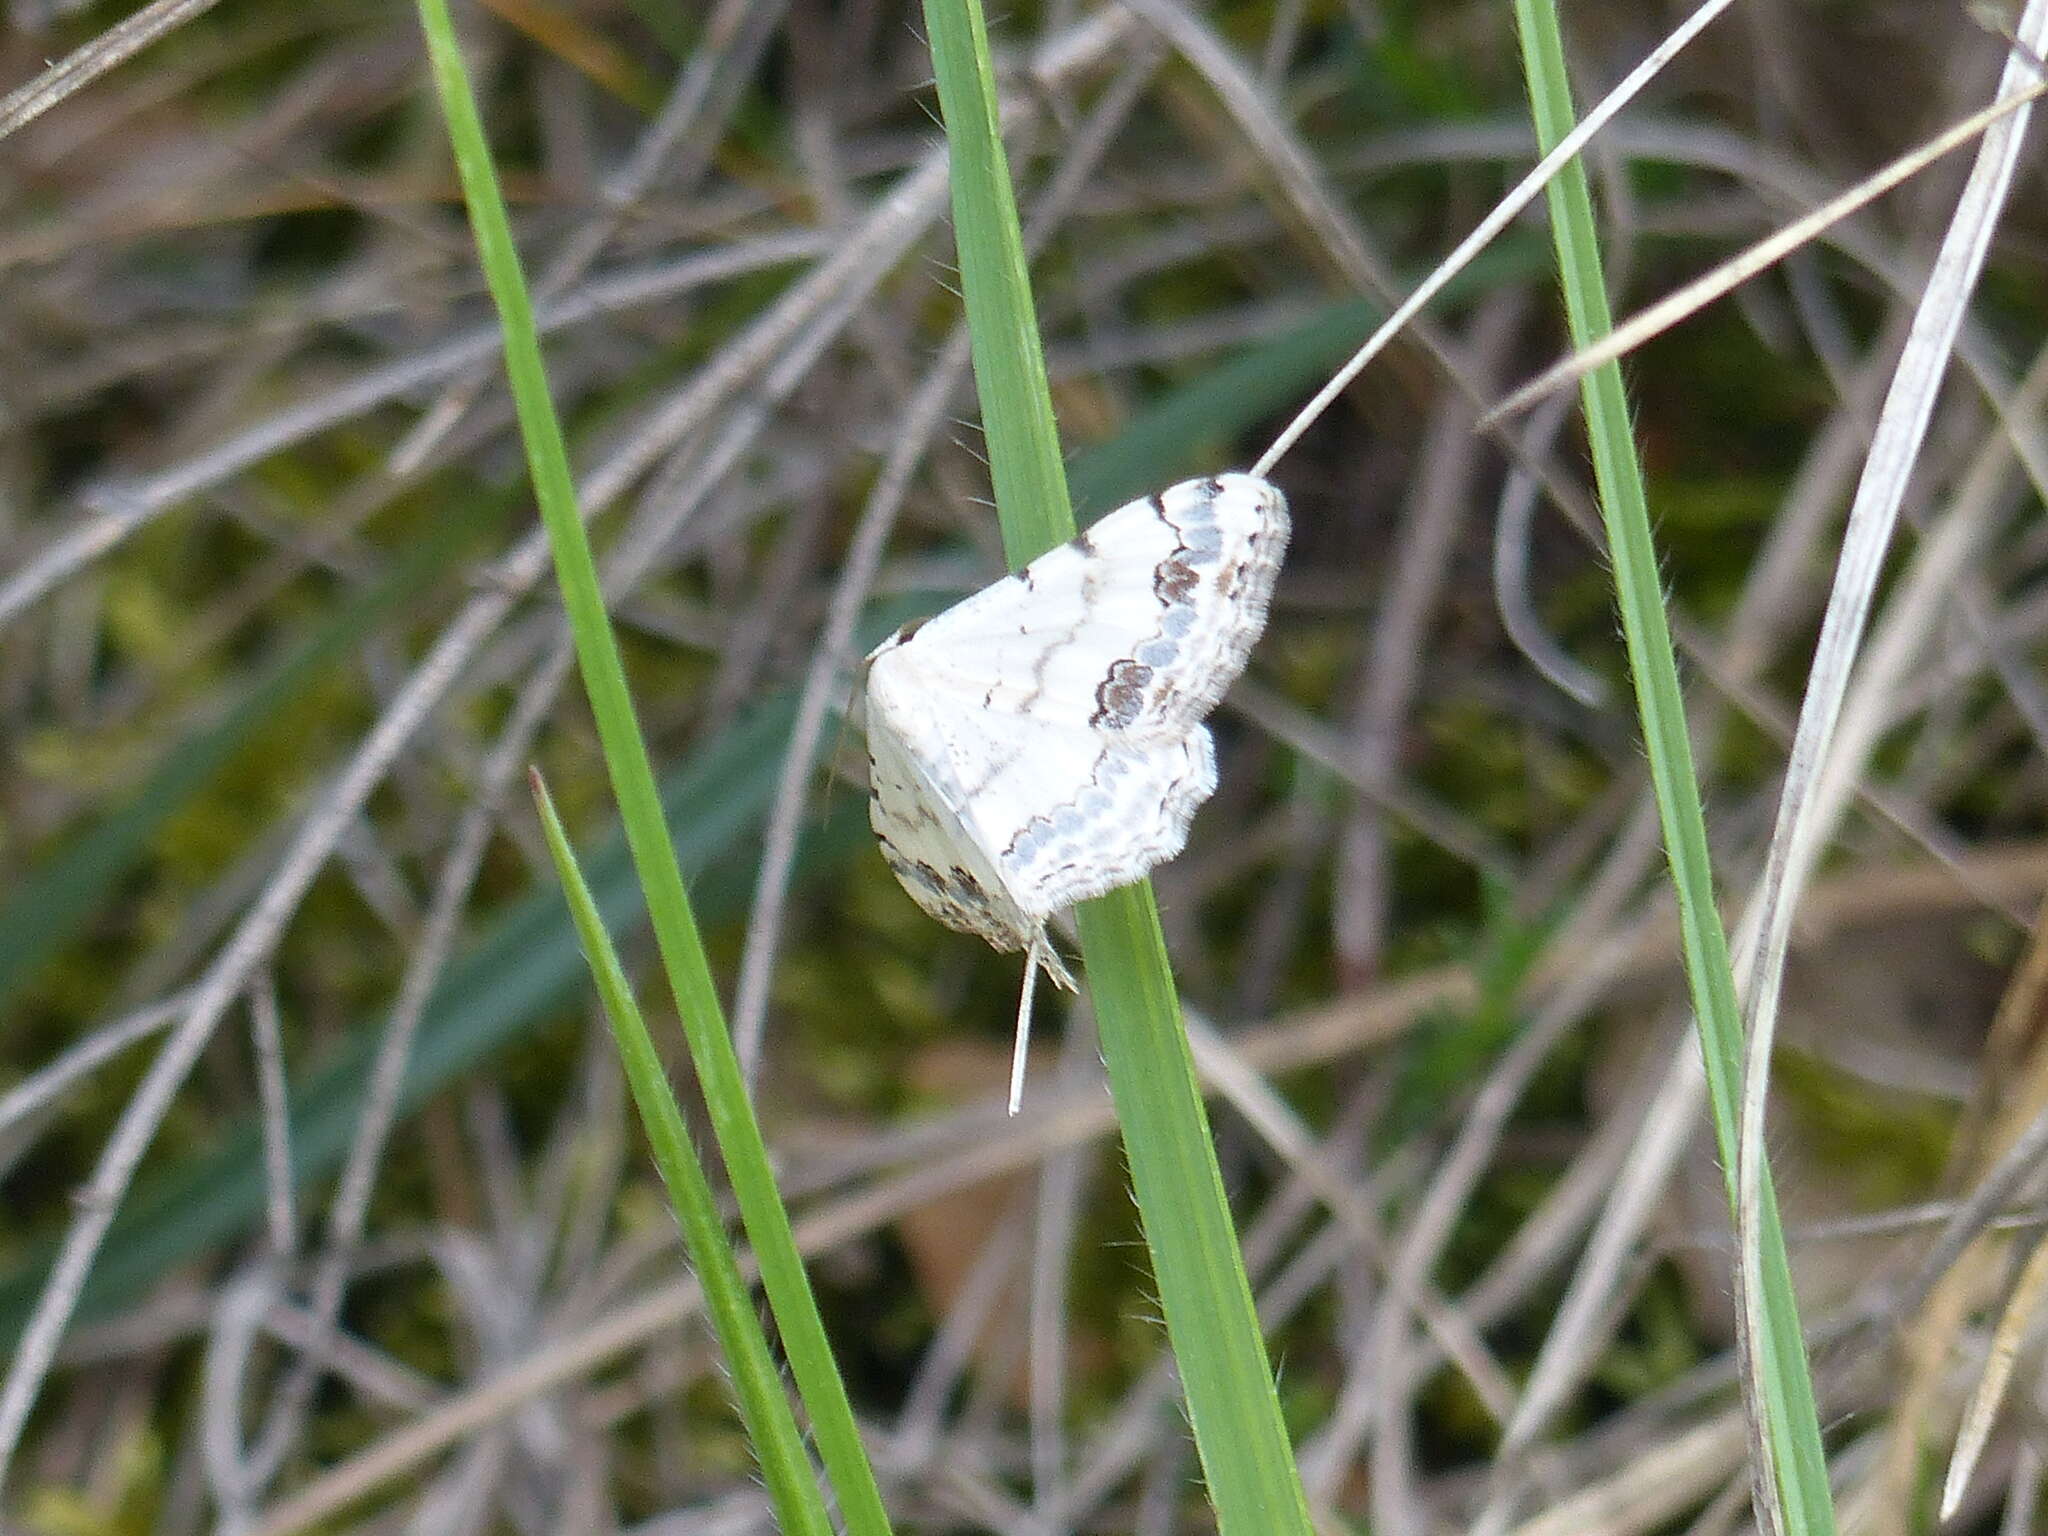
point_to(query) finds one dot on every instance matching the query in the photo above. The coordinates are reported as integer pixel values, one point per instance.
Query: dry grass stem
(277, 631)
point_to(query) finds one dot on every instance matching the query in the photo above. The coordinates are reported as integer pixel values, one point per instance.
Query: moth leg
(1023, 1045)
(1049, 959)
(1039, 955)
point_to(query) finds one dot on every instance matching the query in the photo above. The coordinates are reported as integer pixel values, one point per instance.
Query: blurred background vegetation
(277, 639)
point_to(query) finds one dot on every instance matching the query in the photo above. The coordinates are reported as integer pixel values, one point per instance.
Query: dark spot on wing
(1174, 580)
(1120, 698)
(1081, 543)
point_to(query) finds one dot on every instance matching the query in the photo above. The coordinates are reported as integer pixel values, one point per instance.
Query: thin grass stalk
(632, 776)
(757, 1384)
(1792, 1478)
(1211, 1322)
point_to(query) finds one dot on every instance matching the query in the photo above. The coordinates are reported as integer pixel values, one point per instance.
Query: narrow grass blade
(1794, 1474)
(1207, 1302)
(632, 776)
(757, 1385)
(521, 972)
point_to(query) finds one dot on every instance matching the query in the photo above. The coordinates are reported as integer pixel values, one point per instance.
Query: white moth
(1041, 742)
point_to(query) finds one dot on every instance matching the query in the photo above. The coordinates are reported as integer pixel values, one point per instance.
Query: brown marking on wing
(1174, 580)
(1120, 698)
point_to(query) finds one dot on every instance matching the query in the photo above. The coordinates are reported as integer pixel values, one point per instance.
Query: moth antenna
(1031, 963)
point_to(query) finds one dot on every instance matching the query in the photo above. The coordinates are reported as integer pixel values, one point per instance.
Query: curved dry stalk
(2009, 112)
(1512, 524)
(1565, 1353)
(1798, 836)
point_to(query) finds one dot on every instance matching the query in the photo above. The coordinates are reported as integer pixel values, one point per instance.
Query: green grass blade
(1226, 1379)
(511, 981)
(1024, 460)
(1785, 1395)
(516, 978)
(632, 776)
(757, 1385)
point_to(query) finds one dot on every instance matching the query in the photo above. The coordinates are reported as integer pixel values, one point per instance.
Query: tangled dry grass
(307, 1103)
